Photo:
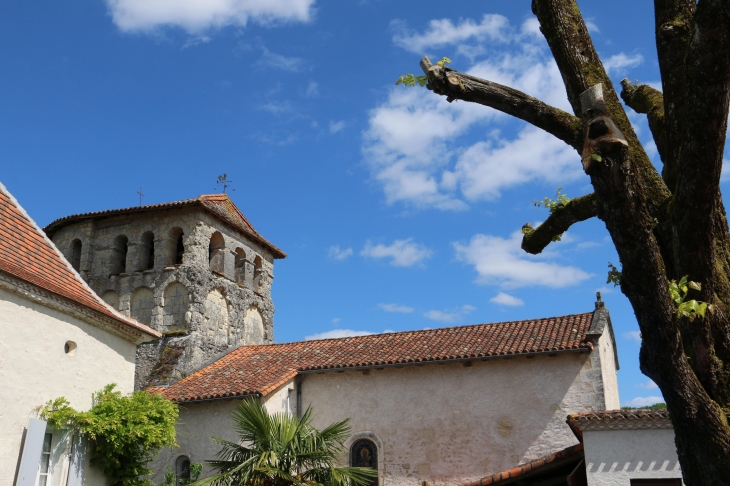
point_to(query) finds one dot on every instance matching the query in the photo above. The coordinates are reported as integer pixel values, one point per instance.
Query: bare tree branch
(575, 211)
(674, 22)
(647, 100)
(565, 31)
(459, 86)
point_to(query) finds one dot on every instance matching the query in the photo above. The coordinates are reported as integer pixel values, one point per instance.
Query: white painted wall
(449, 424)
(614, 457)
(606, 349)
(446, 424)
(34, 369)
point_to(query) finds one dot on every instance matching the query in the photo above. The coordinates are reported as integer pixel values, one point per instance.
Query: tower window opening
(177, 247)
(76, 254)
(119, 255)
(216, 253)
(147, 252)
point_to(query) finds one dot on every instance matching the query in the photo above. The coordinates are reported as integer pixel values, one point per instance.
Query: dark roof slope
(552, 469)
(260, 369)
(26, 253)
(219, 205)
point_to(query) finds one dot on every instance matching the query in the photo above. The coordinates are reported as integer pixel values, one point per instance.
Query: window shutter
(76, 462)
(31, 452)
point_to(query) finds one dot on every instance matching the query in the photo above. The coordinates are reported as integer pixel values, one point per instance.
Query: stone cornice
(620, 420)
(41, 296)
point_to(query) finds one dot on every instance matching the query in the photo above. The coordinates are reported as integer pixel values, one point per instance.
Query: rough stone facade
(203, 283)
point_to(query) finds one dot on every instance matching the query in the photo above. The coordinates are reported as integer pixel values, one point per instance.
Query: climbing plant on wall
(124, 431)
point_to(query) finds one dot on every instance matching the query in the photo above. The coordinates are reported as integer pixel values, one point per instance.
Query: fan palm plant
(283, 450)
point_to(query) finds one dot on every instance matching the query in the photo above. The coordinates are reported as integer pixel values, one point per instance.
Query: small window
(76, 254)
(258, 266)
(240, 266)
(44, 471)
(177, 247)
(119, 256)
(182, 469)
(69, 348)
(364, 453)
(147, 252)
(216, 253)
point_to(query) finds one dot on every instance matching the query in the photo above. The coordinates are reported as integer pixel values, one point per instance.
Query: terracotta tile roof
(625, 419)
(263, 368)
(26, 253)
(219, 205)
(572, 452)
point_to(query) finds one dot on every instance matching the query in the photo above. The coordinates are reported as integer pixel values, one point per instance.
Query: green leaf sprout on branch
(691, 309)
(411, 80)
(553, 204)
(614, 275)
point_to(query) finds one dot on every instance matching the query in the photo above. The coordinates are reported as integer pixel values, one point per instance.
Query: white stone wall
(449, 424)
(445, 424)
(34, 368)
(607, 349)
(614, 457)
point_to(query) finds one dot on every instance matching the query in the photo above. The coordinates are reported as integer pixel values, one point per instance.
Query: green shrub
(125, 432)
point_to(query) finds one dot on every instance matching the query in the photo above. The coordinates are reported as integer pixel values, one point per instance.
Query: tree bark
(663, 226)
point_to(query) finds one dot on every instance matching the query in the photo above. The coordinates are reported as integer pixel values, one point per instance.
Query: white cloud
(633, 336)
(449, 316)
(584, 245)
(441, 32)
(337, 253)
(412, 145)
(500, 261)
(274, 60)
(592, 27)
(396, 308)
(336, 126)
(506, 299)
(649, 385)
(725, 174)
(643, 401)
(337, 333)
(403, 253)
(618, 64)
(312, 89)
(195, 16)
(336, 320)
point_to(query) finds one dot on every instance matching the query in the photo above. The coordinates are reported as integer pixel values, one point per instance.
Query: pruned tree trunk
(664, 226)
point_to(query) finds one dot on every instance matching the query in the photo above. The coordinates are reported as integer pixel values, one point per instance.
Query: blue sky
(398, 210)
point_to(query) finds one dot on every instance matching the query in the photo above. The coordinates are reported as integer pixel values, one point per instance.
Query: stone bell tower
(195, 270)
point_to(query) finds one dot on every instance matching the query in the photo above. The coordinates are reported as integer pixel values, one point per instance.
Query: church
(443, 406)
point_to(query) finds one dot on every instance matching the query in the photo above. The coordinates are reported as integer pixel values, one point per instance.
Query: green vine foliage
(553, 204)
(195, 470)
(125, 431)
(691, 309)
(411, 80)
(614, 275)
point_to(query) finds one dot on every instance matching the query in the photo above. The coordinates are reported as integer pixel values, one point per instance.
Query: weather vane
(140, 196)
(223, 180)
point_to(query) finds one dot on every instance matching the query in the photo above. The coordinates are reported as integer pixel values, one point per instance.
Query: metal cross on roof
(140, 196)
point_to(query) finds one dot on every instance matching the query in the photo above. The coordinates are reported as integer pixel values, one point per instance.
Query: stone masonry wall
(216, 300)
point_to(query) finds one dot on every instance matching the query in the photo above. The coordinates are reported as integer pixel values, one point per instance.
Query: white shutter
(76, 462)
(30, 460)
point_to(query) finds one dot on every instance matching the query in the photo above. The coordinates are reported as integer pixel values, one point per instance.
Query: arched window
(258, 266)
(177, 301)
(364, 453)
(118, 256)
(76, 254)
(182, 469)
(176, 249)
(141, 305)
(216, 253)
(111, 298)
(147, 252)
(240, 266)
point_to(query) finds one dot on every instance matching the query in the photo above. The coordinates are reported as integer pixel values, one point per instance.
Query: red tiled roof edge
(265, 367)
(100, 306)
(201, 200)
(528, 467)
